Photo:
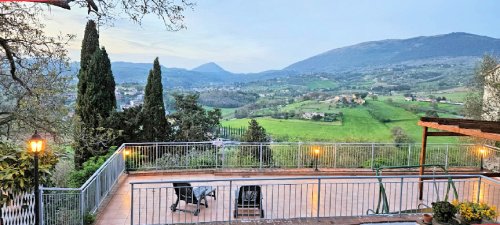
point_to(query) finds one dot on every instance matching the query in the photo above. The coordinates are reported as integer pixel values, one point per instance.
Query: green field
(359, 125)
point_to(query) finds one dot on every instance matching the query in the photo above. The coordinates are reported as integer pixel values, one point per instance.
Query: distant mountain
(210, 67)
(399, 51)
(447, 59)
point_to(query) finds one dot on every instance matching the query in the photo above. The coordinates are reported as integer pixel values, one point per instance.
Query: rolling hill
(400, 51)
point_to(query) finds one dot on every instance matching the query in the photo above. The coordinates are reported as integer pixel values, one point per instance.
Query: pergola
(454, 127)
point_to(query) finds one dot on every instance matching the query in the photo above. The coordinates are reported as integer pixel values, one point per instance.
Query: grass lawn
(358, 125)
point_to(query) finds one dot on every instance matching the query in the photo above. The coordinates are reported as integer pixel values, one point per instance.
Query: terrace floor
(282, 199)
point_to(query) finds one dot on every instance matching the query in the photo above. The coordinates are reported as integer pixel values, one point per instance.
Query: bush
(443, 211)
(79, 177)
(62, 172)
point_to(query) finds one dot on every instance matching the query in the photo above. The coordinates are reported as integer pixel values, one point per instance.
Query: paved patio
(281, 199)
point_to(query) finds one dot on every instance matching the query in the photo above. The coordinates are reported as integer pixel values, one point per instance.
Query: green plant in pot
(444, 212)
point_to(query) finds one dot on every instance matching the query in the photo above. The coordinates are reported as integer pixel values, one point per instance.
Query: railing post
(478, 189)
(82, 207)
(132, 204)
(335, 156)
(230, 199)
(446, 157)
(319, 198)
(97, 189)
(223, 156)
(41, 207)
(216, 158)
(409, 154)
(260, 155)
(157, 156)
(401, 197)
(299, 153)
(373, 155)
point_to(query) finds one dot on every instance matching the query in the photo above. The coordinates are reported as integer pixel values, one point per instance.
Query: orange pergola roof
(462, 127)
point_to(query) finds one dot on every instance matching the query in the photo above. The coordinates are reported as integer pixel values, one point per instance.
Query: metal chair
(185, 192)
(248, 197)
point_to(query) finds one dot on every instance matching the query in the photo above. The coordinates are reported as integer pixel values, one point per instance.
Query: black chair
(190, 195)
(248, 197)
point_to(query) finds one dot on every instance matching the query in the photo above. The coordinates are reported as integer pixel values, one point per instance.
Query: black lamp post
(316, 153)
(36, 146)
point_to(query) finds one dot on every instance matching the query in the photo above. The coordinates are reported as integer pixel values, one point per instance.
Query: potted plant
(474, 213)
(444, 212)
(427, 219)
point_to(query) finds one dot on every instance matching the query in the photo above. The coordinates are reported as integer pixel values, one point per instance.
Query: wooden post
(422, 163)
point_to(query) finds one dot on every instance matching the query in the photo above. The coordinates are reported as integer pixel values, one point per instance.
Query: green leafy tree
(191, 122)
(257, 133)
(474, 105)
(128, 123)
(155, 125)
(400, 136)
(16, 170)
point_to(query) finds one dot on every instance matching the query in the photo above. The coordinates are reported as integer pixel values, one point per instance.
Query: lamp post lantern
(316, 154)
(36, 146)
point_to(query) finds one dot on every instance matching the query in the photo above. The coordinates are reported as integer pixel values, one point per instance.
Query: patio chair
(185, 192)
(248, 197)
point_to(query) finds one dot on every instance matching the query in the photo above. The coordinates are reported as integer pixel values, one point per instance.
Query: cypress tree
(90, 44)
(96, 93)
(155, 126)
(99, 99)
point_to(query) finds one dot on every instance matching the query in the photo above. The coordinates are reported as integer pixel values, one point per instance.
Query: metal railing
(69, 206)
(203, 155)
(153, 202)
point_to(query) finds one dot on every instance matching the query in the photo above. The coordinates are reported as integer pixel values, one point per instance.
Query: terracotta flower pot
(427, 219)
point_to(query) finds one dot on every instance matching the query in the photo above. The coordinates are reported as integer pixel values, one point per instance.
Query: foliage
(89, 218)
(95, 100)
(127, 123)
(400, 136)
(474, 106)
(192, 159)
(444, 211)
(17, 168)
(191, 122)
(62, 170)
(79, 177)
(154, 123)
(431, 113)
(257, 133)
(89, 142)
(98, 99)
(32, 78)
(227, 99)
(471, 211)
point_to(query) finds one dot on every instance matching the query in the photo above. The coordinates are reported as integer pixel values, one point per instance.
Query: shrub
(79, 177)
(443, 211)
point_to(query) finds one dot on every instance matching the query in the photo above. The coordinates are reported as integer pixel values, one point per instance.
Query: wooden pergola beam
(444, 134)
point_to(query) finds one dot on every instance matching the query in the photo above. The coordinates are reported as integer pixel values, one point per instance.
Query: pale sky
(257, 35)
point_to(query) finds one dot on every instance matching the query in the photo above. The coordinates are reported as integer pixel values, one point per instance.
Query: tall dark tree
(96, 93)
(90, 44)
(99, 97)
(191, 121)
(155, 126)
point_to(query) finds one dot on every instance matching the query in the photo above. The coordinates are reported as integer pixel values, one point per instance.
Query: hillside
(401, 51)
(429, 63)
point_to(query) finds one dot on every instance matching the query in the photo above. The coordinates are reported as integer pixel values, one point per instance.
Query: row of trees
(98, 124)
